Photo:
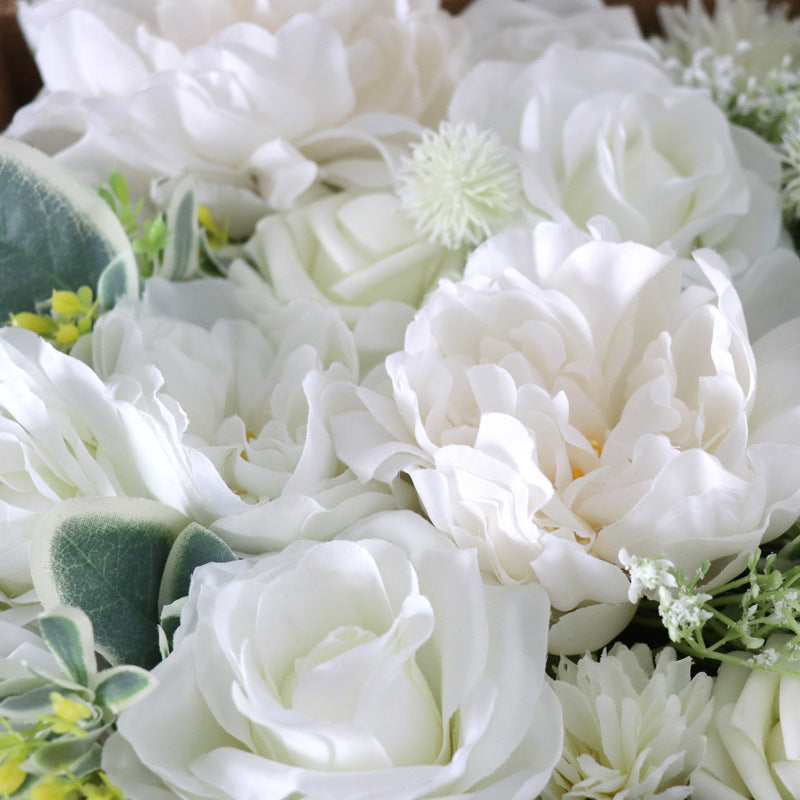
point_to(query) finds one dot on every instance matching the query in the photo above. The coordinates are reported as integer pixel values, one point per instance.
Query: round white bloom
(568, 399)
(349, 670)
(65, 433)
(251, 398)
(606, 133)
(459, 185)
(522, 31)
(350, 249)
(633, 730)
(754, 741)
(247, 96)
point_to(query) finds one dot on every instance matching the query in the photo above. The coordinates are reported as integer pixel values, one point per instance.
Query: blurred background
(19, 80)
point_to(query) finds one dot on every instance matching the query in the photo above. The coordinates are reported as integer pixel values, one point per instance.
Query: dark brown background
(19, 80)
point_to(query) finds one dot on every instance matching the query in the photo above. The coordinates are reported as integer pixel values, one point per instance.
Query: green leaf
(54, 756)
(121, 687)
(180, 259)
(194, 547)
(106, 556)
(68, 633)
(55, 233)
(28, 706)
(117, 280)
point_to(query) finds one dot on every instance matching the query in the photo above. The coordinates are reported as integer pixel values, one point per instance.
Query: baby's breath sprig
(719, 623)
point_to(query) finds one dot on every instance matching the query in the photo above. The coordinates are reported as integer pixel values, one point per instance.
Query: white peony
(352, 249)
(246, 96)
(349, 670)
(249, 387)
(606, 133)
(754, 740)
(633, 729)
(65, 433)
(568, 399)
(522, 31)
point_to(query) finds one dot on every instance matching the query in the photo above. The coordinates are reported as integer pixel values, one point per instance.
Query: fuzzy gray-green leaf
(55, 233)
(106, 556)
(194, 547)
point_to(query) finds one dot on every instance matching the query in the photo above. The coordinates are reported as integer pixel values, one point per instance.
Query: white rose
(247, 97)
(250, 393)
(350, 249)
(568, 399)
(522, 31)
(606, 133)
(65, 433)
(754, 740)
(350, 670)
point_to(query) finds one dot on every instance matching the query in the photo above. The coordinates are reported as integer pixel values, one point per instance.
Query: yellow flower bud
(67, 333)
(66, 303)
(32, 322)
(11, 776)
(67, 709)
(50, 791)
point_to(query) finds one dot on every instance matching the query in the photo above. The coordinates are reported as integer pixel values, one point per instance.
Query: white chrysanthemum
(634, 730)
(251, 395)
(249, 97)
(753, 36)
(460, 185)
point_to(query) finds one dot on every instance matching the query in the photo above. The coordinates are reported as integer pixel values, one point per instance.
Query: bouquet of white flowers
(397, 405)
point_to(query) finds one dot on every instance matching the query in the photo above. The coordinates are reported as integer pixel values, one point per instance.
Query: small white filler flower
(459, 185)
(633, 728)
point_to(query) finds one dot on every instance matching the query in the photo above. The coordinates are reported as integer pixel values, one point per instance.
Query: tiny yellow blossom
(32, 322)
(67, 333)
(68, 710)
(50, 791)
(67, 303)
(11, 776)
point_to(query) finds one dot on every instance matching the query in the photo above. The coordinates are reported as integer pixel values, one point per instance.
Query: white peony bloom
(250, 393)
(633, 730)
(754, 740)
(65, 433)
(352, 249)
(247, 96)
(606, 133)
(522, 31)
(568, 399)
(349, 670)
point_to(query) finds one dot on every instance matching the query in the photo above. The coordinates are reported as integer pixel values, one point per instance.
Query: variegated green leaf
(121, 687)
(68, 633)
(106, 556)
(180, 260)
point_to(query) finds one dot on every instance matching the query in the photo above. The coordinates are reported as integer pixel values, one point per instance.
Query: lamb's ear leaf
(68, 633)
(106, 556)
(194, 547)
(55, 232)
